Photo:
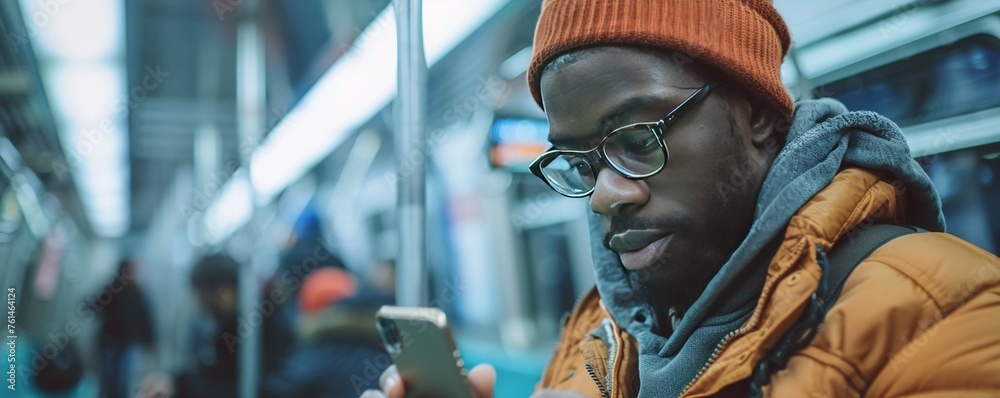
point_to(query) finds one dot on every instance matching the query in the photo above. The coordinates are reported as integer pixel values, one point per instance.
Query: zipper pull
(593, 376)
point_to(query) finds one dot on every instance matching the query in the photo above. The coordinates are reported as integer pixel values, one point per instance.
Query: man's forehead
(602, 87)
(611, 72)
(624, 57)
(604, 121)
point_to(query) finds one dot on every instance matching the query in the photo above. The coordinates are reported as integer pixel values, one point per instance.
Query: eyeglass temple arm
(696, 96)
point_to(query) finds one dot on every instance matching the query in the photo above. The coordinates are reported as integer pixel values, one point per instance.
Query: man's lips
(640, 249)
(632, 240)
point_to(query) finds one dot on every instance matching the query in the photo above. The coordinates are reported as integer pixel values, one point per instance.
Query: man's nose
(614, 193)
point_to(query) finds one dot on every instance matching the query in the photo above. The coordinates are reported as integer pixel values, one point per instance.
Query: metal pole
(250, 107)
(410, 157)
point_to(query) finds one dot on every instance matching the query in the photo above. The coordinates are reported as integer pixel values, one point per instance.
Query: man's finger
(482, 378)
(372, 394)
(390, 383)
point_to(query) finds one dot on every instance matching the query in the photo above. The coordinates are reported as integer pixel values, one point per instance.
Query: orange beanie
(325, 286)
(745, 39)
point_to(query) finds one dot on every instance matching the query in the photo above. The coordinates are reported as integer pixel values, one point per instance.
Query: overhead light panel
(80, 49)
(360, 84)
(231, 210)
(75, 31)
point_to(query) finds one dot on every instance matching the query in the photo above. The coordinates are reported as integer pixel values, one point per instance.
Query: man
(303, 254)
(715, 221)
(126, 329)
(215, 281)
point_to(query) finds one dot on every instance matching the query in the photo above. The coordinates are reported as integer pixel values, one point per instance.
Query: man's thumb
(482, 378)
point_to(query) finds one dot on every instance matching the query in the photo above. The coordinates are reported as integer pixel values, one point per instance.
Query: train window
(947, 81)
(968, 181)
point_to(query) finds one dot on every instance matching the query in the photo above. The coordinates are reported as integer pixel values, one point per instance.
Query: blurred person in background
(214, 343)
(305, 253)
(339, 352)
(126, 330)
(716, 202)
(63, 374)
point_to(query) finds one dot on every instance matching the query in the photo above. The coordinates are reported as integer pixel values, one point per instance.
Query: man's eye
(641, 145)
(579, 164)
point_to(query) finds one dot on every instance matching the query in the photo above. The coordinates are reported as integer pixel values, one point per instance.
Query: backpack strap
(845, 255)
(855, 247)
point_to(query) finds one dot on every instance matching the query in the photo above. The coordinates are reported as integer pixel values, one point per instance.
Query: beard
(673, 284)
(679, 279)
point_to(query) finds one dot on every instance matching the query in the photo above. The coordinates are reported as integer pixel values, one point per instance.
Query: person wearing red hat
(744, 246)
(324, 287)
(338, 352)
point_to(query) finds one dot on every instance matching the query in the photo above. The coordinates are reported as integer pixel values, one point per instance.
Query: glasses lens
(570, 174)
(635, 150)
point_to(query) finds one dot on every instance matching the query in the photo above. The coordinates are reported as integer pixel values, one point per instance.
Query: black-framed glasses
(634, 151)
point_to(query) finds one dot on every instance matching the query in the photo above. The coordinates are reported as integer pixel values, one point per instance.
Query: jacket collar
(854, 198)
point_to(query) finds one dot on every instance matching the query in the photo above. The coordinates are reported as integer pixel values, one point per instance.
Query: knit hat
(745, 39)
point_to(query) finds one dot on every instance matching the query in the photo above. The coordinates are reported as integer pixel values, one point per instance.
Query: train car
(193, 193)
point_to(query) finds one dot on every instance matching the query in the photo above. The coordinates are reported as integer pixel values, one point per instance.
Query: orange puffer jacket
(920, 317)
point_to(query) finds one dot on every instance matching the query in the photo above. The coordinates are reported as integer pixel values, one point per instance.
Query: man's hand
(482, 378)
(156, 385)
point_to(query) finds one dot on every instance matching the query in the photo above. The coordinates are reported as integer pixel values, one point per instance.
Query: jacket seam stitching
(846, 376)
(865, 199)
(924, 289)
(941, 313)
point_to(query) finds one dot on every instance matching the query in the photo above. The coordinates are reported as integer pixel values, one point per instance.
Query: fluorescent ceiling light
(85, 92)
(354, 89)
(75, 30)
(100, 170)
(80, 48)
(517, 64)
(358, 85)
(231, 210)
(448, 22)
(348, 94)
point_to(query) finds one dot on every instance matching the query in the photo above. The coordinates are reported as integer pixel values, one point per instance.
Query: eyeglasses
(635, 151)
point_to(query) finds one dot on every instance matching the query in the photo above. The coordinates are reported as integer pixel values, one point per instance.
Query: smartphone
(420, 343)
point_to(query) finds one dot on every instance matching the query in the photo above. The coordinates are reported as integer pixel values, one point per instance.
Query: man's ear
(767, 127)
